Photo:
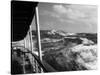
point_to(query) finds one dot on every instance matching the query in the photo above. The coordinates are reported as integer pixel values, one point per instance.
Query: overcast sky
(68, 17)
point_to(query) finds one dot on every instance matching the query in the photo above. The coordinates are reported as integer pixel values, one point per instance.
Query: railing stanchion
(38, 34)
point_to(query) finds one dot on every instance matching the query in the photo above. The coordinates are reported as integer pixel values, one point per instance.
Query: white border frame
(5, 31)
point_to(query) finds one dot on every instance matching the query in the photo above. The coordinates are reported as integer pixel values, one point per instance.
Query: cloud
(60, 9)
(71, 15)
(68, 12)
(86, 14)
(76, 11)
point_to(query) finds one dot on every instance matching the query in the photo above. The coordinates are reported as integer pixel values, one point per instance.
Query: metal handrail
(42, 64)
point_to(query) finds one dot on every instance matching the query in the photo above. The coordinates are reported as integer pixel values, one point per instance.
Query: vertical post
(23, 56)
(31, 46)
(23, 64)
(31, 40)
(25, 43)
(38, 33)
